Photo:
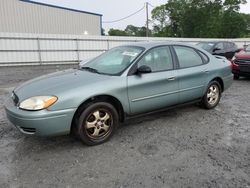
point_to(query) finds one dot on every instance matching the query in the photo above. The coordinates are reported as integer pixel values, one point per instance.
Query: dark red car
(241, 63)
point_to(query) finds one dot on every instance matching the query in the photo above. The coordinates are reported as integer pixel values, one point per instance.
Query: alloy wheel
(213, 94)
(98, 123)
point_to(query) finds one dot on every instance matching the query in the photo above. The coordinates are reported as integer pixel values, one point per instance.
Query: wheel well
(101, 98)
(218, 79)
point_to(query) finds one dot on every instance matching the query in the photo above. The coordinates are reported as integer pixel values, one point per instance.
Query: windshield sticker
(132, 54)
(210, 44)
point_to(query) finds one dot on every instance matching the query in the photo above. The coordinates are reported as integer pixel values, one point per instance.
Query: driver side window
(158, 59)
(219, 46)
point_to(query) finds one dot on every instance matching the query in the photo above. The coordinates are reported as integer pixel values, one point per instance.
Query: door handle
(171, 78)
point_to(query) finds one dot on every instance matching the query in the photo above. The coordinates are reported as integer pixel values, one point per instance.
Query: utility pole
(147, 30)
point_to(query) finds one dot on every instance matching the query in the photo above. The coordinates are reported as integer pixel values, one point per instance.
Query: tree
(200, 18)
(117, 32)
(233, 25)
(103, 31)
(169, 18)
(247, 20)
(130, 30)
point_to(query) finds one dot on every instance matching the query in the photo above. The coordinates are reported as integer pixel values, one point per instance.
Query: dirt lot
(184, 147)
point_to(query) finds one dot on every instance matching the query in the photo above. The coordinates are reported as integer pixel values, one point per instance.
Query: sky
(116, 9)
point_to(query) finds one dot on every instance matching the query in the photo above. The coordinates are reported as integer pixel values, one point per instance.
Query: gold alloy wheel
(98, 123)
(213, 94)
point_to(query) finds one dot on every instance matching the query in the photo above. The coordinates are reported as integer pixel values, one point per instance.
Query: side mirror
(144, 69)
(216, 49)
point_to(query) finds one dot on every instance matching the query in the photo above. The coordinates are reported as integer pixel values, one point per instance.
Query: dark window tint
(187, 57)
(206, 45)
(228, 45)
(158, 59)
(219, 46)
(232, 45)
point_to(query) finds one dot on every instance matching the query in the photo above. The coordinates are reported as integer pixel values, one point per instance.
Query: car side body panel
(152, 91)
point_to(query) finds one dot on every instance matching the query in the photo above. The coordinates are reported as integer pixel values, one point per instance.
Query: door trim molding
(168, 93)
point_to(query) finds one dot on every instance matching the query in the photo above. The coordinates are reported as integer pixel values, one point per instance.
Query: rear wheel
(213, 94)
(236, 76)
(97, 123)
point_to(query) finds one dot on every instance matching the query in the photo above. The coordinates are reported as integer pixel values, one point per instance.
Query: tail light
(235, 65)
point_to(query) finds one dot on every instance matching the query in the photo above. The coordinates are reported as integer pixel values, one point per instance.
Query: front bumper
(40, 123)
(241, 73)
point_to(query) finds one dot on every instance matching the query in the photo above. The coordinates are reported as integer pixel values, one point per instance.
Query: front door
(157, 89)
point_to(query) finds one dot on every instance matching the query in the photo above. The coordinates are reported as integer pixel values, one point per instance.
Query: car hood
(58, 82)
(243, 55)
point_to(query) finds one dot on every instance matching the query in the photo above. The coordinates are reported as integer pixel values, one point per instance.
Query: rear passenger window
(205, 58)
(187, 57)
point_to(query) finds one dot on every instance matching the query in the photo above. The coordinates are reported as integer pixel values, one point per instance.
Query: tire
(236, 77)
(96, 123)
(212, 96)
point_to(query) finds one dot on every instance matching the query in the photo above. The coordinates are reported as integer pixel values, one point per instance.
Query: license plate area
(245, 68)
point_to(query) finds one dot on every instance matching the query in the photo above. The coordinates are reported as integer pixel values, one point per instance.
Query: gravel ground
(183, 147)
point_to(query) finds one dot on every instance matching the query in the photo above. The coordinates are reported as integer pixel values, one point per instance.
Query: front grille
(244, 65)
(242, 61)
(15, 98)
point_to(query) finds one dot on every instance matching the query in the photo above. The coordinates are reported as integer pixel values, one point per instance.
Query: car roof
(152, 44)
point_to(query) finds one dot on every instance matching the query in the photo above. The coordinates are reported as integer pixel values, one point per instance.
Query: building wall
(24, 17)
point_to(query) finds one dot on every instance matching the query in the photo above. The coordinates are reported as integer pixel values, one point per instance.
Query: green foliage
(117, 32)
(195, 19)
(130, 30)
(247, 20)
(200, 18)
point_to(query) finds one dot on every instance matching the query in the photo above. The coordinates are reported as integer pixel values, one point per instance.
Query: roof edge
(59, 7)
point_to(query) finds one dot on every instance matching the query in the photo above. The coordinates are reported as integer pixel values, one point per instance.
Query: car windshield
(206, 45)
(248, 48)
(114, 61)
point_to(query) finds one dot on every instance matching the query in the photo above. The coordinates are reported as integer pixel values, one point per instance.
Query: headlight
(233, 58)
(38, 103)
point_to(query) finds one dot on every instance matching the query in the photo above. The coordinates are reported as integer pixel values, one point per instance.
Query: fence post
(77, 50)
(39, 51)
(107, 44)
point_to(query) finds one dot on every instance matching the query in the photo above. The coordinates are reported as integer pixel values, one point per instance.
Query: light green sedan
(91, 101)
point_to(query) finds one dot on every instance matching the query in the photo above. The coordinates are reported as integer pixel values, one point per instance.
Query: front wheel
(212, 96)
(97, 123)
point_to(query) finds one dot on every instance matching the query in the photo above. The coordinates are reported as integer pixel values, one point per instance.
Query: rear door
(157, 89)
(192, 73)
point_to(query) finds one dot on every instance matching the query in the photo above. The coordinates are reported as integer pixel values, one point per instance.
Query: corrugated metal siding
(36, 49)
(22, 17)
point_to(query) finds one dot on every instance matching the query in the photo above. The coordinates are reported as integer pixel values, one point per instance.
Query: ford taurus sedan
(91, 101)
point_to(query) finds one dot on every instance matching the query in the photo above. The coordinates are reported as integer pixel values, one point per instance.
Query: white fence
(42, 49)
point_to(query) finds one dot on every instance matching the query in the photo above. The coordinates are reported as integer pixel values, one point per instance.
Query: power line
(126, 16)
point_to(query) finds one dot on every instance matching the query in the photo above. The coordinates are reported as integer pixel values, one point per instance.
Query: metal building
(24, 16)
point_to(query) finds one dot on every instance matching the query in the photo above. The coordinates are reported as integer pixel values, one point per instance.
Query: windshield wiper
(90, 69)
